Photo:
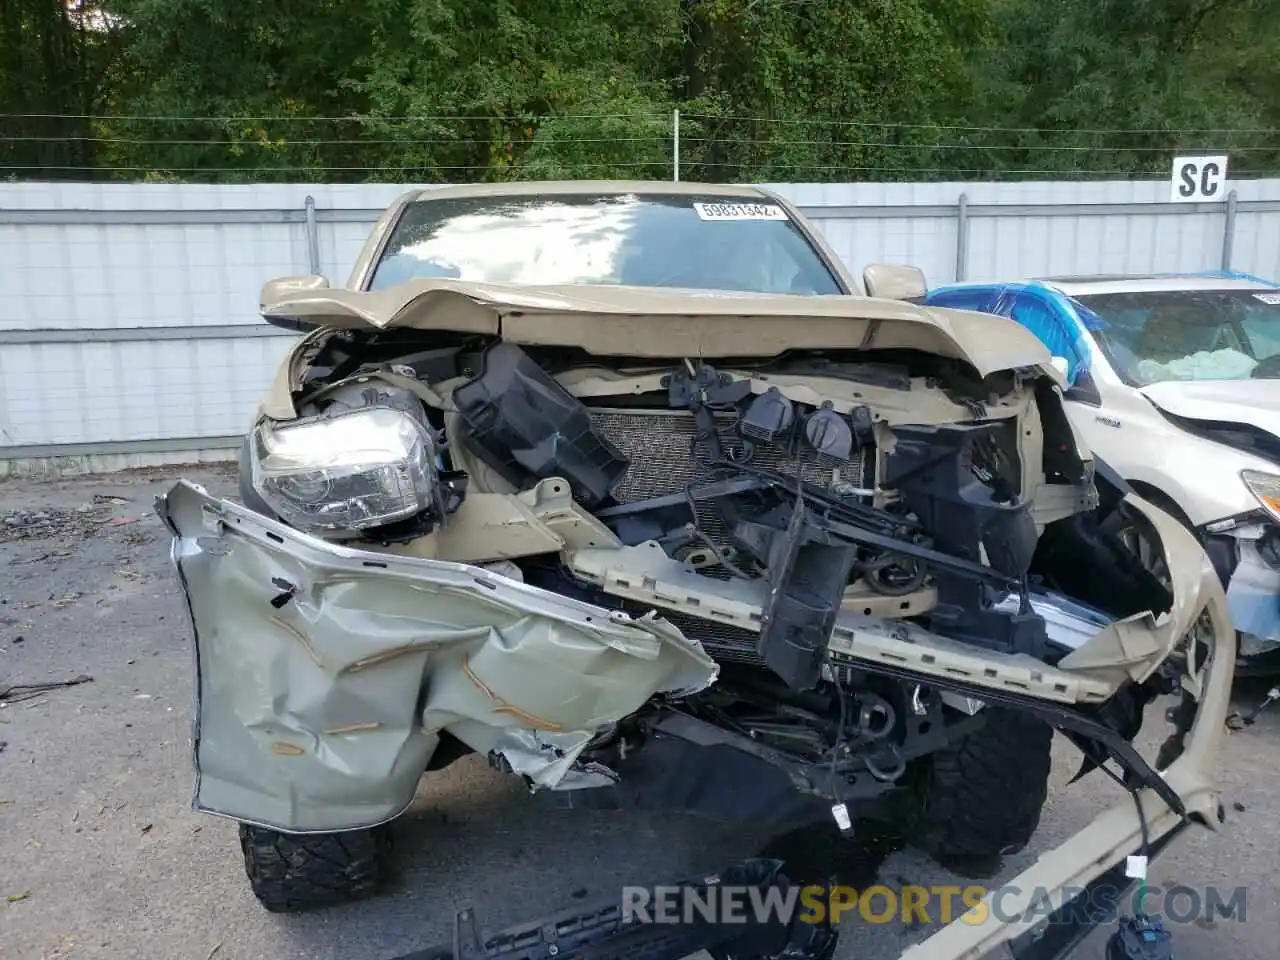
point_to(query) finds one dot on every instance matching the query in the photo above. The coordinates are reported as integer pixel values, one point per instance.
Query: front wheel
(981, 796)
(290, 873)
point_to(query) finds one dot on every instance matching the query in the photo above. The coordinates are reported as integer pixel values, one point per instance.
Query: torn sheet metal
(1117, 831)
(551, 760)
(325, 674)
(646, 575)
(1137, 646)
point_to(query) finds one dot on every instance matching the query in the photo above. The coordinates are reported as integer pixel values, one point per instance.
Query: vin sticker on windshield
(740, 211)
(1271, 298)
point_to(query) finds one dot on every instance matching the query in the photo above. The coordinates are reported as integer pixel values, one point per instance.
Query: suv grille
(659, 445)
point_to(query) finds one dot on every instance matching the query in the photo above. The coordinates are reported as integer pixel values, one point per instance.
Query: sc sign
(1198, 179)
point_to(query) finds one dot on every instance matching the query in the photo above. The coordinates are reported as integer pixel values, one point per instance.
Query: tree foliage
(54, 65)
(768, 90)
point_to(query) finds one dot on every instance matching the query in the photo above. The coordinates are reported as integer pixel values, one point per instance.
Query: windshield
(707, 243)
(1187, 334)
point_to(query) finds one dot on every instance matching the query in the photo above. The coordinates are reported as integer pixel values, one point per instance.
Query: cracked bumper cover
(1253, 594)
(327, 674)
(1096, 853)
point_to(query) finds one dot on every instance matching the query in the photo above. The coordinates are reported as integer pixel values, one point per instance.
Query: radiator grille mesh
(658, 444)
(723, 642)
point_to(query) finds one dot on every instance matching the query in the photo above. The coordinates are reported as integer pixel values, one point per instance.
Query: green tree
(1106, 86)
(452, 90)
(55, 61)
(210, 78)
(841, 89)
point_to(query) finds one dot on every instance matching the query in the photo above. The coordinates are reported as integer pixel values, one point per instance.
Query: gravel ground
(100, 855)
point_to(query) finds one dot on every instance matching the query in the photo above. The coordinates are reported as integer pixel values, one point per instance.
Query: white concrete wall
(128, 323)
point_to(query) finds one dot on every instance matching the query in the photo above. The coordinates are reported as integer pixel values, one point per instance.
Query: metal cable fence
(691, 146)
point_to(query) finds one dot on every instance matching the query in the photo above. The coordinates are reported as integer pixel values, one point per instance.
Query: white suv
(1175, 383)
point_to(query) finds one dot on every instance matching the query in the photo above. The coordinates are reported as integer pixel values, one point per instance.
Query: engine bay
(826, 499)
(903, 489)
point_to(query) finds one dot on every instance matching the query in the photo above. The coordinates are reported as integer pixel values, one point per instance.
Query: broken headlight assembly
(1266, 488)
(350, 471)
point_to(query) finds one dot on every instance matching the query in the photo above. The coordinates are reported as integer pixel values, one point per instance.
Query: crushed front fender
(325, 675)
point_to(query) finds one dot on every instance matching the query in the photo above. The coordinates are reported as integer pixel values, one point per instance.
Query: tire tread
(982, 796)
(290, 873)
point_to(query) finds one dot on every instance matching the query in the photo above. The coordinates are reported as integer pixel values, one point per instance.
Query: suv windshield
(1188, 334)
(707, 243)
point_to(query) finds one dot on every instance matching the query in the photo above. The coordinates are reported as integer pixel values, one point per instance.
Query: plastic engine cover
(526, 426)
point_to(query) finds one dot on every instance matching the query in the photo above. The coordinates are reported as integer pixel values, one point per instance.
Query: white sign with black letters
(740, 211)
(1198, 180)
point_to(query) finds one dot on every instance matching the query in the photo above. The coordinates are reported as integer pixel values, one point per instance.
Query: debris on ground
(52, 555)
(67, 522)
(78, 522)
(1235, 721)
(16, 693)
(15, 897)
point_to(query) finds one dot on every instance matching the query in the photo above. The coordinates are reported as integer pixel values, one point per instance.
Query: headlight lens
(1266, 487)
(347, 472)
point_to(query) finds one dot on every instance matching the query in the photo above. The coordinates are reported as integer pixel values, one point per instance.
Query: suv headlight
(1266, 487)
(351, 471)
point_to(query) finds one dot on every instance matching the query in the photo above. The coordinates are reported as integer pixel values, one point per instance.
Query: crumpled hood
(1255, 402)
(668, 323)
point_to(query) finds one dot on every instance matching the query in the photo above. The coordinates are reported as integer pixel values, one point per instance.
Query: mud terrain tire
(291, 873)
(981, 797)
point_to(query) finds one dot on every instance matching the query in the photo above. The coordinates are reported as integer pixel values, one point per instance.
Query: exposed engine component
(526, 426)
(944, 478)
(828, 433)
(851, 740)
(864, 422)
(768, 417)
(756, 486)
(808, 572)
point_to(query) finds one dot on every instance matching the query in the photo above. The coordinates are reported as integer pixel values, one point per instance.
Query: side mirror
(1084, 390)
(894, 281)
(281, 288)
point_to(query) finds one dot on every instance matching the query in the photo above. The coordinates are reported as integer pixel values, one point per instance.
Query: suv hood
(662, 322)
(1252, 402)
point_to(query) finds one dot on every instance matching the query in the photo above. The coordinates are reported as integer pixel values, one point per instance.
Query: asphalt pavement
(101, 855)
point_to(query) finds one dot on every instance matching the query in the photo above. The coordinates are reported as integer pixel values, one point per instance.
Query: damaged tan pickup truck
(632, 489)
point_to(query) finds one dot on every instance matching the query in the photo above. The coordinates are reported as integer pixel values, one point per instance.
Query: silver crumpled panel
(325, 674)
